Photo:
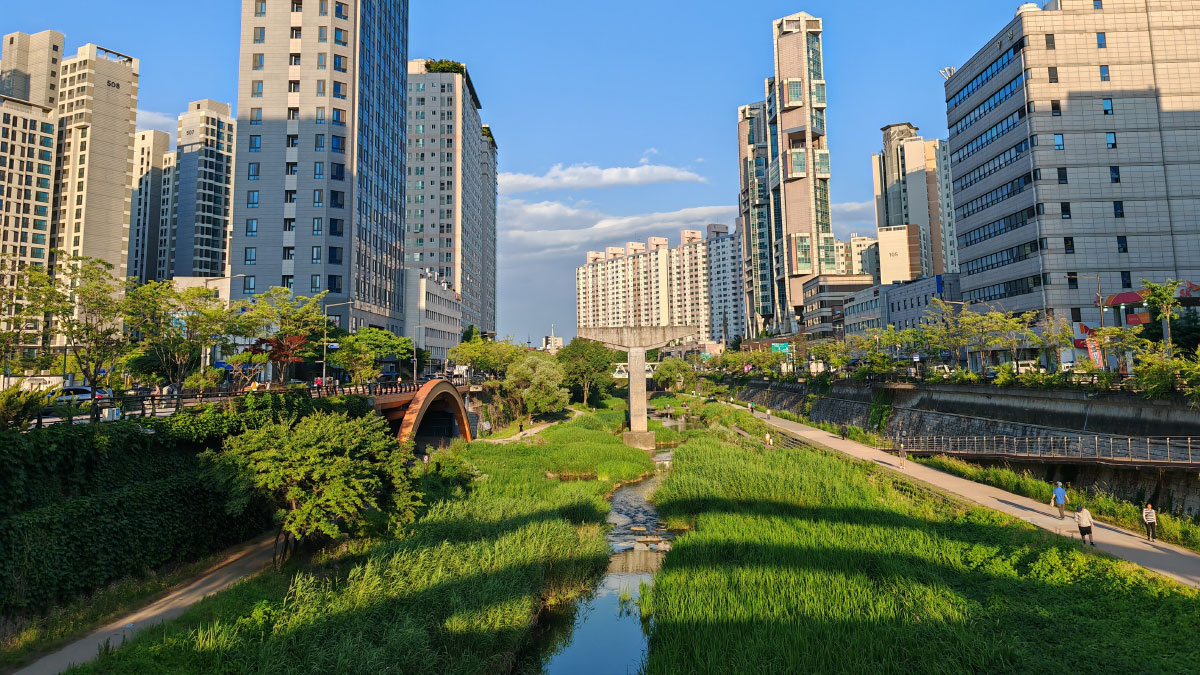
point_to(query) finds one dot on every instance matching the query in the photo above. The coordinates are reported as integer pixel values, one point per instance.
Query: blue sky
(615, 120)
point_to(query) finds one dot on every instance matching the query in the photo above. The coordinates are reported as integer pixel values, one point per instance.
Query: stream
(603, 632)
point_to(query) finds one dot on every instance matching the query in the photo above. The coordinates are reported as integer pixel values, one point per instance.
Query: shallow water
(600, 634)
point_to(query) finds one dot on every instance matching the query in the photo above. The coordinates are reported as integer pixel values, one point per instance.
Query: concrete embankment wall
(947, 410)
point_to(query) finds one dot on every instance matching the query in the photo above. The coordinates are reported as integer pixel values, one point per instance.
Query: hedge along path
(242, 562)
(1176, 562)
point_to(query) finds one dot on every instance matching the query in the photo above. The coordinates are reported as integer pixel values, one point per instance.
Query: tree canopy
(534, 384)
(587, 366)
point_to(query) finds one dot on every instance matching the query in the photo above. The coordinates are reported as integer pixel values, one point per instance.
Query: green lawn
(456, 594)
(806, 562)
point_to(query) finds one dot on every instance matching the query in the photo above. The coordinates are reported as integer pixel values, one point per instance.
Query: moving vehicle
(79, 394)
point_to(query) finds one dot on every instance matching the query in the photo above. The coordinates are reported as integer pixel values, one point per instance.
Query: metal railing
(1164, 450)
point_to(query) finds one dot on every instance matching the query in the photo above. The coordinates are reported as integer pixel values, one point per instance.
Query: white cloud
(853, 217)
(646, 155)
(148, 119)
(582, 176)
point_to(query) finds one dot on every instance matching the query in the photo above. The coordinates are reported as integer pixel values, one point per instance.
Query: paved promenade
(1176, 562)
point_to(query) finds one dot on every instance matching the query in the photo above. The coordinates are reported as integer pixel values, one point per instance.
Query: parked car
(78, 394)
(1029, 367)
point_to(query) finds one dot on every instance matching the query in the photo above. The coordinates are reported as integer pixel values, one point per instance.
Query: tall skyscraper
(1073, 135)
(451, 186)
(150, 151)
(797, 171)
(913, 187)
(754, 221)
(726, 312)
(198, 229)
(30, 65)
(319, 196)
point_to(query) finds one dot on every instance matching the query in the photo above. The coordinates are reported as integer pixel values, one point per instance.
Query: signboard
(705, 355)
(916, 358)
(781, 347)
(221, 365)
(1093, 348)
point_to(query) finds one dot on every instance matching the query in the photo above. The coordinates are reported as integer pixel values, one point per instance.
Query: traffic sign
(781, 347)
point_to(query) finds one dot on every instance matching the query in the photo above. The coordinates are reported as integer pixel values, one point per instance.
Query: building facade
(899, 254)
(321, 124)
(451, 186)
(913, 187)
(907, 305)
(864, 310)
(725, 301)
(824, 299)
(796, 171)
(198, 230)
(649, 284)
(1073, 136)
(150, 152)
(754, 222)
(432, 314)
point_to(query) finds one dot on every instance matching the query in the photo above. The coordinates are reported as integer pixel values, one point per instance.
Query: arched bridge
(436, 404)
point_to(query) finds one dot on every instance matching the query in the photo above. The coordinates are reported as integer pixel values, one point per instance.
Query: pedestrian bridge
(1181, 452)
(434, 408)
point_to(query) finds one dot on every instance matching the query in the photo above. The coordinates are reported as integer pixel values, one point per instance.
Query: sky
(615, 121)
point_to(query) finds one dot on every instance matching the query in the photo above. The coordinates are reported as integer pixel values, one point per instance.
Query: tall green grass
(1182, 531)
(805, 562)
(457, 594)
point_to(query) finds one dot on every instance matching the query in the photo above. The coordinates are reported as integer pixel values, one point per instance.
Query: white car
(77, 395)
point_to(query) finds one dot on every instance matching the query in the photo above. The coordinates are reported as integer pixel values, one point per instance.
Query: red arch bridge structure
(432, 411)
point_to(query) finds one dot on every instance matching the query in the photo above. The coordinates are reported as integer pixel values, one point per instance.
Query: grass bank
(803, 562)
(1182, 531)
(458, 593)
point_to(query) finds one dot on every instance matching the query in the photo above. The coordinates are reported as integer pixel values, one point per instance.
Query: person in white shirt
(1151, 519)
(1083, 518)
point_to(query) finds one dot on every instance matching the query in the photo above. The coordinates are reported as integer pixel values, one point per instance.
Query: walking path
(1176, 562)
(531, 431)
(244, 561)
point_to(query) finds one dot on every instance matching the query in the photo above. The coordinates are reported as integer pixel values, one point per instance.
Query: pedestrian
(1083, 518)
(521, 427)
(902, 454)
(767, 440)
(1060, 499)
(1151, 519)
(768, 413)
(843, 432)
(751, 407)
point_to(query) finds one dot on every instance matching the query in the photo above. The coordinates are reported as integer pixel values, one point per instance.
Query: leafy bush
(1006, 375)
(18, 407)
(964, 376)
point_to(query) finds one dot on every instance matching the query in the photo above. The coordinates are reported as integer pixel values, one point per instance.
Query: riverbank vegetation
(803, 561)
(458, 591)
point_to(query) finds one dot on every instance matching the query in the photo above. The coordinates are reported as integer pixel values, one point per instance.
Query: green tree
(486, 356)
(279, 312)
(471, 333)
(324, 474)
(944, 330)
(672, 373)
(177, 327)
(1156, 370)
(18, 407)
(587, 365)
(1012, 331)
(83, 302)
(1120, 342)
(1055, 334)
(360, 353)
(533, 384)
(246, 366)
(1164, 300)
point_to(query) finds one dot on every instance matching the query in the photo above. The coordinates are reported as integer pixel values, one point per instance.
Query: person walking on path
(902, 454)
(767, 440)
(843, 430)
(1151, 519)
(1060, 499)
(1083, 519)
(768, 413)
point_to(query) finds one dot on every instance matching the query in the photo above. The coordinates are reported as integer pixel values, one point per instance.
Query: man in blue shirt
(1059, 498)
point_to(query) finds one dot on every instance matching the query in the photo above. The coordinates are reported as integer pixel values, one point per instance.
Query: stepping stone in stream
(638, 528)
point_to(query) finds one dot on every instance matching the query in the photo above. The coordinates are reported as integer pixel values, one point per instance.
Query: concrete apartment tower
(755, 226)
(913, 187)
(802, 243)
(451, 186)
(321, 124)
(859, 260)
(725, 301)
(1073, 136)
(197, 234)
(150, 151)
(97, 107)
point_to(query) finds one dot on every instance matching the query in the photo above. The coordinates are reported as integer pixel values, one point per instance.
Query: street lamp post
(207, 281)
(325, 336)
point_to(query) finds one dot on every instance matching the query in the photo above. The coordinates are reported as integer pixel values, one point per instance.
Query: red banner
(1093, 349)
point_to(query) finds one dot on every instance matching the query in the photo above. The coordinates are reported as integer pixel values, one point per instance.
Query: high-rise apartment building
(651, 284)
(1073, 136)
(150, 153)
(198, 194)
(450, 213)
(796, 175)
(30, 66)
(754, 221)
(725, 301)
(913, 187)
(859, 261)
(319, 197)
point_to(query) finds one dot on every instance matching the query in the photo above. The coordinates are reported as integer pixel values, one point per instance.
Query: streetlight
(207, 281)
(325, 336)
(1100, 305)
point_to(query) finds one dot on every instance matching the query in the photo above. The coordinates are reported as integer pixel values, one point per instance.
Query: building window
(289, 196)
(248, 285)
(318, 170)
(1114, 174)
(335, 283)
(1126, 280)
(252, 171)
(339, 144)
(339, 63)
(1052, 74)
(339, 11)
(1056, 108)
(294, 33)
(319, 143)
(340, 37)
(256, 62)
(291, 168)
(323, 7)
(335, 227)
(287, 281)
(289, 224)
(1110, 139)
(289, 252)
(318, 198)
(337, 199)
(339, 90)
(1068, 244)
(1101, 41)
(293, 114)
(256, 89)
(260, 7)
(316, 255)
(335, 255)
(252, 199)
(339, 117)
(318, 226)
(338, 171)
(321, 61)
(1065, 209)
(1097, 4)
(1076, 315)
(1119, 212)
(292, 141)
(293, 59)
(322, 34)
(255, 116)
(314, 283)
(1104, 73)
(251, 256)
(1059, 143)
(1049, 40)
(252, 227)
(260, 35)
(1106, 104)
(293, 86)
(320, 116)
(1062, 175)
(1072, 280)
